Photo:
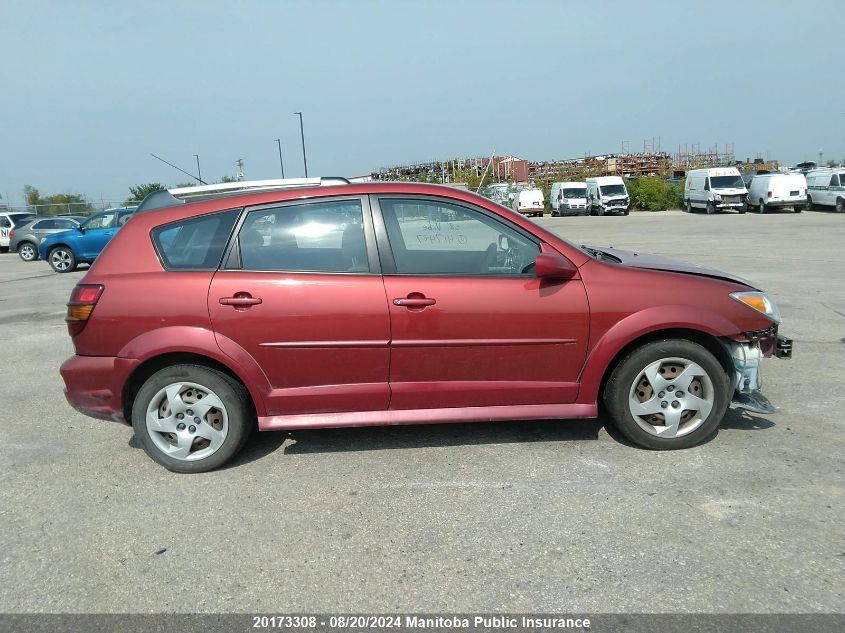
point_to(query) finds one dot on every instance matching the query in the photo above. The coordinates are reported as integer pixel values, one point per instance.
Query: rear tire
(62, 259)
(840, 205)
(27, 251)
(227, 418)
(685, 420)
(798, 208)
(761, 208)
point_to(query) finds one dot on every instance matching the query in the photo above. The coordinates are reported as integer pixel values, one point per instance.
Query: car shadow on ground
(377, 438)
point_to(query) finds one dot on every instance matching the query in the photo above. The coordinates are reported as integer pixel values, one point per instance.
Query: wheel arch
(155, 363)
(704, 328)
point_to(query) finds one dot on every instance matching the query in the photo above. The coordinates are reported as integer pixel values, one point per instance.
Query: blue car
(65, 251)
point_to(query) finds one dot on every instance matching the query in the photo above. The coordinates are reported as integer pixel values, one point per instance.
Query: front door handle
(414, 300)
(240, 300)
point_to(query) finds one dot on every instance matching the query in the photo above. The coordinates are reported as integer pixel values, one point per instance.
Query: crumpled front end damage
(746, 354)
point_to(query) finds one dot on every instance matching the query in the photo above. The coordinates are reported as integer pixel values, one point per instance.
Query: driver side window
(102, 221)
(430, 237)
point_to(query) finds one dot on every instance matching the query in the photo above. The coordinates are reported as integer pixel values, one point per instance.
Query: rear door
(471, 324)
(301, 292)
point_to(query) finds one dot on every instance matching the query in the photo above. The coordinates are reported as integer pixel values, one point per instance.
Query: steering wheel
(514, 259)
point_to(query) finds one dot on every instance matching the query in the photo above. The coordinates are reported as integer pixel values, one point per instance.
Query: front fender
(202, 342)
(634, 326)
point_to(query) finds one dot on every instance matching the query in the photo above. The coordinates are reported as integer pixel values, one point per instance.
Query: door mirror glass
(554, 266)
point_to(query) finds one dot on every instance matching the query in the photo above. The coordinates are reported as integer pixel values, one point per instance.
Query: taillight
(11, 233)
(82, 301)
(770, 194)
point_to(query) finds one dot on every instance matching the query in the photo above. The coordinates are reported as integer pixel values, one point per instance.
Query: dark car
(65, 251)
(25, 239)
(352, 305)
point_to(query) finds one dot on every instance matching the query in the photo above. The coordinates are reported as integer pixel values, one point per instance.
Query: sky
(88, 89)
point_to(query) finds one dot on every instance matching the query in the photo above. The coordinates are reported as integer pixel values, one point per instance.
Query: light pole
(281, 164)
(302, 134)
(199, 171)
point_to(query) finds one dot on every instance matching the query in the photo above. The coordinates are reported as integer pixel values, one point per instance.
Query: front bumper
(94, 384)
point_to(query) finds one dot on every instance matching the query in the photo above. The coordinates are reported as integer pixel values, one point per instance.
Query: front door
(471, 323)
(301, 293)
(97, 231)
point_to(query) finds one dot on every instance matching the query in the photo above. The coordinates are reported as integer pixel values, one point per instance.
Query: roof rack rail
(180, 195)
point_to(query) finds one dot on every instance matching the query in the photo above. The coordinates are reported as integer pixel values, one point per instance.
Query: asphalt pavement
(543, 516)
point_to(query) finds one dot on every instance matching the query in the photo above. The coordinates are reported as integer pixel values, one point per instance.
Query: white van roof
(714, 171)
(606, 180)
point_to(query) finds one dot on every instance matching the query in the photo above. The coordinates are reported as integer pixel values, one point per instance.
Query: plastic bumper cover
(94, 384)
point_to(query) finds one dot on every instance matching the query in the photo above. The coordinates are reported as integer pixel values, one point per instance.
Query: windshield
(613, 190)
(726, 182)
(574, 193)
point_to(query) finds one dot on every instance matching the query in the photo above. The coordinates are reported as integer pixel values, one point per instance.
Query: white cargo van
(771, 191)
(607, 194)
(826, 187)
(529, 202)
(568, 198)
(715, 188)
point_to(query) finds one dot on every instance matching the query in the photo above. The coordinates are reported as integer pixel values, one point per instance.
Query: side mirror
(80, 228)
(503, 243)
(554, 266)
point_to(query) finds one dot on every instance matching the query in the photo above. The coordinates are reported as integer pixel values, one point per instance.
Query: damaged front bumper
(746, 357)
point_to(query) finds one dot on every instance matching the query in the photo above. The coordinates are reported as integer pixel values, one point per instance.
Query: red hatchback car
(310, 304)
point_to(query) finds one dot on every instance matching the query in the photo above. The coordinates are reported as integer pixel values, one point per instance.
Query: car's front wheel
(62, 259)
(28, 252)
(192, 419)
(667, 394)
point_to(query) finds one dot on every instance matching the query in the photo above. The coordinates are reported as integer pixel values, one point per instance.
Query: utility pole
(240, 165)
(281, 163)
(302, 134)
(199, 171)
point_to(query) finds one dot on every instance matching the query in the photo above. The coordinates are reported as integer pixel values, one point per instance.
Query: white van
(826, 187)
(568, 198)
(607, 194)
(715, 188)
(770, 191)
(529, 202)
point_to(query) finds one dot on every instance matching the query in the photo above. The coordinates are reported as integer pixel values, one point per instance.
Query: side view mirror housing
(554, 266)
(80, 228)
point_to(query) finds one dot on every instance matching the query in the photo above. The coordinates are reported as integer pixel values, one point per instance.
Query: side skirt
(427, 416)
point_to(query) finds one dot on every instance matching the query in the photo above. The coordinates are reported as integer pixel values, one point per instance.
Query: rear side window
(834, 181)
(194, 244)
(315, 237)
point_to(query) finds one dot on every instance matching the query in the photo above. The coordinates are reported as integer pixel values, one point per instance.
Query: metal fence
(67, 208)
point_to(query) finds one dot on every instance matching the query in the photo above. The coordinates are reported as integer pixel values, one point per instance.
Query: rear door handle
(414, 302)
(240, 300)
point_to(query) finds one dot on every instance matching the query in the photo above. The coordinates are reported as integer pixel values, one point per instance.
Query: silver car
(25, 238)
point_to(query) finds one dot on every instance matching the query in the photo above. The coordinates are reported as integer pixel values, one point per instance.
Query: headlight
(716, 196)
(760, 302)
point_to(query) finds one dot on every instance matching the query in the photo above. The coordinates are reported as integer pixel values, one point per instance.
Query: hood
(658, 262)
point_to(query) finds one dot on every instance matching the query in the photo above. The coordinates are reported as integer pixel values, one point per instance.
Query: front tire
(28, 252)
(809, 203)
(711, 208)
(668, 394)
(192, 419)
(688, 207)
(62, 260)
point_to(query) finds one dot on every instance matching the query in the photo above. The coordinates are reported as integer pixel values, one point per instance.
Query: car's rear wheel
(667, 394)
(62, 259)
(28, 252)
(761, 208)
(192, 419)
(840, 205)
(798, 208)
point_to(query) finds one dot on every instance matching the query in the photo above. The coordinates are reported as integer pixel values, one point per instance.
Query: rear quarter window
(196, 243)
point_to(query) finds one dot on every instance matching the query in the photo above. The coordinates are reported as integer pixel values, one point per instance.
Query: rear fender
(639, 324)
(202, 342)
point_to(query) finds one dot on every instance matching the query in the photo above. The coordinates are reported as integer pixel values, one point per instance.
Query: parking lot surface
(537, 516)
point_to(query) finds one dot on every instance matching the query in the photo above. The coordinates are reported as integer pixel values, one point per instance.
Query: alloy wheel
(60, 259)
(27, 252)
